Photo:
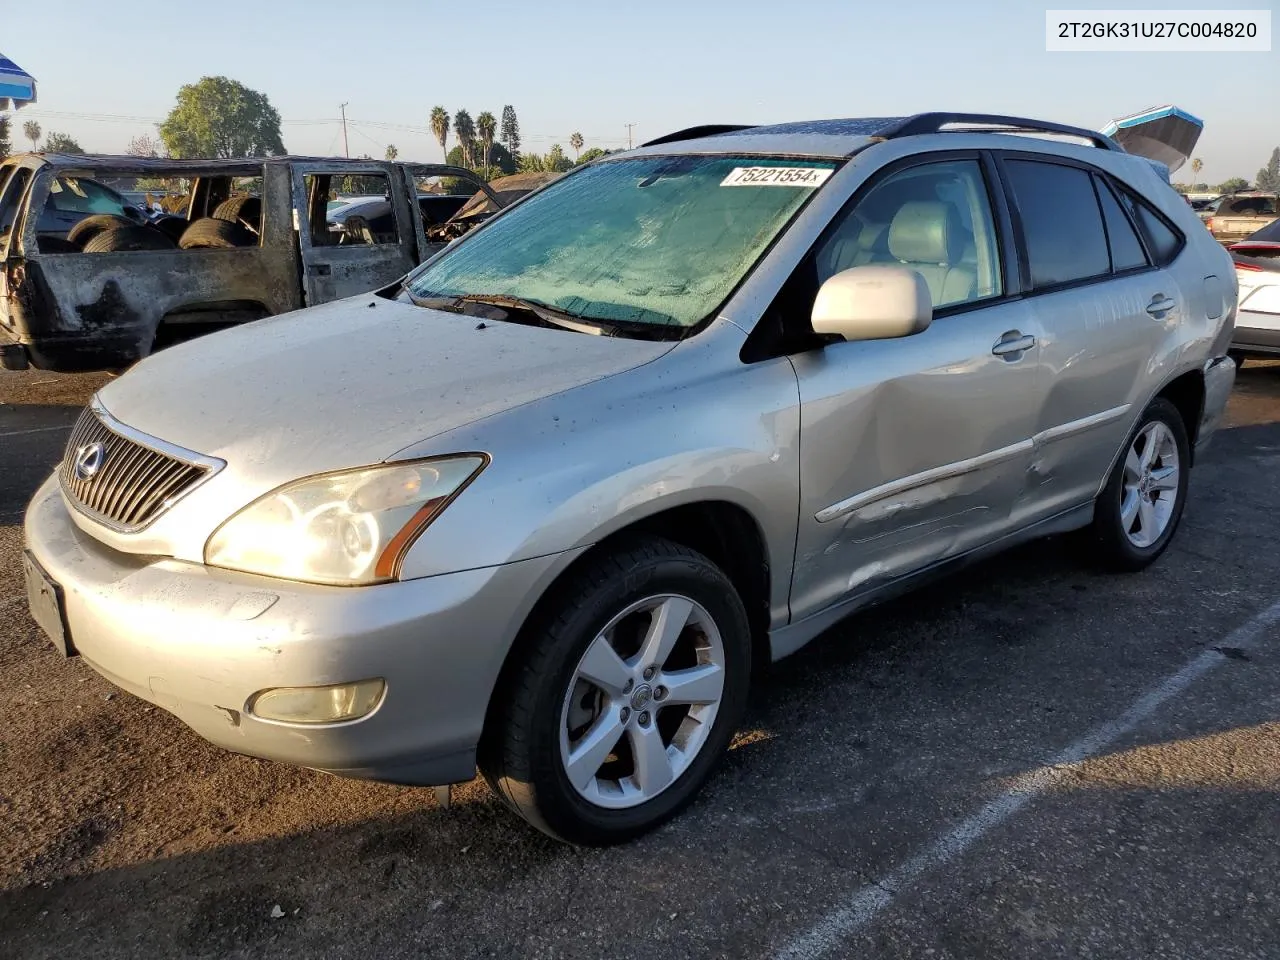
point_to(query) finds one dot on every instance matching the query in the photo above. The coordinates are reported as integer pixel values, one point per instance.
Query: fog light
(332, 704)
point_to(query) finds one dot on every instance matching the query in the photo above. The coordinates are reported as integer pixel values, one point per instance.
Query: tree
(1268, 177)
(486, 127)
(4, 136)
(1196, 166)
(219, 117)
(1232, 185)
(531, 163)
(500, 162)
(61, 143)
(510, 132)
(440, 126)
(595, 153)
(464, 128)
(31, 130)
(392, 152)
(555, 160)
(143, 146)
(576, 141)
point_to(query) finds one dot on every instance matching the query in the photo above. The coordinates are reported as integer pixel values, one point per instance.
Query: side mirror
(873, 303)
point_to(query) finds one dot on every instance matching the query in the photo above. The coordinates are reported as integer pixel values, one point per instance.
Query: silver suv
(544, 506)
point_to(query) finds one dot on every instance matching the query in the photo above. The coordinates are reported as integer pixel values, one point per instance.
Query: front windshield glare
(653, 240)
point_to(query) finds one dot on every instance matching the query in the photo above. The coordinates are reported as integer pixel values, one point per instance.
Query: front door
(913, 450)
(361, 253)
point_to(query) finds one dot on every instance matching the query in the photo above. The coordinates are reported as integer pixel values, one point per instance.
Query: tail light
(1209, 223)
(1247, 266)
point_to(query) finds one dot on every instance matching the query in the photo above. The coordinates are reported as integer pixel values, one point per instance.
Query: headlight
(341, 528)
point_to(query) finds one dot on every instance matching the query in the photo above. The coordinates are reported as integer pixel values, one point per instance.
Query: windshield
(80, 195)
(653, 240)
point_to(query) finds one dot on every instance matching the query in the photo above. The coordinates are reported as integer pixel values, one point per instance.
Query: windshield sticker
(776, 177)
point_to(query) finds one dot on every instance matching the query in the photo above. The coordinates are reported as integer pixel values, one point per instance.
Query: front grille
(133, 482)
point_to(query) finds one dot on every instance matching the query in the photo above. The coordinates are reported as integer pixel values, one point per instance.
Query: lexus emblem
(88, 461)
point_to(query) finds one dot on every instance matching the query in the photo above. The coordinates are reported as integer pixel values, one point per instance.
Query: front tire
(625, 697)
(1138, 510)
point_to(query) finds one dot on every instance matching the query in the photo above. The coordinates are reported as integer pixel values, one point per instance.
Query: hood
(352, 382)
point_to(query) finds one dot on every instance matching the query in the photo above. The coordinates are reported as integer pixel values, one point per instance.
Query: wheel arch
(723, 531)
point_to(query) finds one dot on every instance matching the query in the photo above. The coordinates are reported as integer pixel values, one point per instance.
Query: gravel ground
(1029, 759)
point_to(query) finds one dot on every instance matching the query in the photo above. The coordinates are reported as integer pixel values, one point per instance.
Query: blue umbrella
(16, 85)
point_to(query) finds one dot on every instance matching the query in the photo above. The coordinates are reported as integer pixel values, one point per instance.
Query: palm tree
(31, 130)
(392, 151)
(486, 127)
(464, 128)
(440, 126)
(576, 141)
(1196, 166)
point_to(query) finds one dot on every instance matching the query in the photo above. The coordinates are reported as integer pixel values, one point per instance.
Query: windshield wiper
(549, 315)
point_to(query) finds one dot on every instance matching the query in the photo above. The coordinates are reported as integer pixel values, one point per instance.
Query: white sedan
(1257, 262)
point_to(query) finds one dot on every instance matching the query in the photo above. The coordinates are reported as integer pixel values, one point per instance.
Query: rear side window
(1163, 242)
(1060, 221)
(1126, 248)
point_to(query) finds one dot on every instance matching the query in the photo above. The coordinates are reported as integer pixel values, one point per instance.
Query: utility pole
(346, 150)
(629, 126)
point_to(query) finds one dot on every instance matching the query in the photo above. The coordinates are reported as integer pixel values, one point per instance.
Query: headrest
(926, 231)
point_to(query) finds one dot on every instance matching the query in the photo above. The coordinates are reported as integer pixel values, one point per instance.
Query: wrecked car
(484, 204)
(106, 285)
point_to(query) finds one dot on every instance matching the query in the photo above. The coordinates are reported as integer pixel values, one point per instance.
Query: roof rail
(934, 122)
(693, 133)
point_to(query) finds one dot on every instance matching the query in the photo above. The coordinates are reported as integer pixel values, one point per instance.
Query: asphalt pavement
(1030, 759)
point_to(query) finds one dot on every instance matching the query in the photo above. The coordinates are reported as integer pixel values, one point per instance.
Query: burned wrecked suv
(546, 506)
(90, 282)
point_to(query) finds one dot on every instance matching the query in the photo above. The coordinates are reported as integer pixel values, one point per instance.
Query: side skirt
(787, 640)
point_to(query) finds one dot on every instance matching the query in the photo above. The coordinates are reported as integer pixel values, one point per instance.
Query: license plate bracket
(47, 604)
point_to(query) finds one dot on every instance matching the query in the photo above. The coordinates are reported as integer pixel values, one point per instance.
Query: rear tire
(90, 227)
(128, 238)
(212, 233)
(548, 713)
(1138, 511)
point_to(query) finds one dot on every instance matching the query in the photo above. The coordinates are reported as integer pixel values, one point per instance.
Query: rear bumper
(1257, 333)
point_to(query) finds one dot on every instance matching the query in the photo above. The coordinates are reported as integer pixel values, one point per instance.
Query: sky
(108, 73)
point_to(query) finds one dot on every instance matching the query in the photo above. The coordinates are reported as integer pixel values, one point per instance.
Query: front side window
(934, 218)
(1061, 222)
(658, 242)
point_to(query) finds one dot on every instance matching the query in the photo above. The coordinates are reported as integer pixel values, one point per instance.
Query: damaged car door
(369, 251)
(913, 450)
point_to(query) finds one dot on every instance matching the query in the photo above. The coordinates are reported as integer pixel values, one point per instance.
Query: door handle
(320, 269)
(1013, 343)
(1160, 304)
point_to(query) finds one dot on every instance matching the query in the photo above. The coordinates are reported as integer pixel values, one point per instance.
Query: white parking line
(19, 433)
(866, 903)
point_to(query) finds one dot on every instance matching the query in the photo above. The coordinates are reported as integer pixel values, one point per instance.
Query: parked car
(481, 205)
(1257, 263)
(103, 286)
(548, 504)
(436, 208)
(1238, 215)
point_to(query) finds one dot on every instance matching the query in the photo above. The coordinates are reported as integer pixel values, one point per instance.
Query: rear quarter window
(1164, 242)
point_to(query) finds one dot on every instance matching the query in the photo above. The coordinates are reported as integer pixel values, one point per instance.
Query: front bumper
(200, 642)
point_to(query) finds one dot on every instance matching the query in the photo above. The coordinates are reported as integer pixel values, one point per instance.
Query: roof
(837, 138)
(169, 166)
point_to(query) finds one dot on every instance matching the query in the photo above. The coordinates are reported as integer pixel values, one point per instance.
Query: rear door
(377, 251)
(1104, 303)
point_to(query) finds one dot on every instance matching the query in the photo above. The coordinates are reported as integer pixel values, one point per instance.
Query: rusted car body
(70, 309)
